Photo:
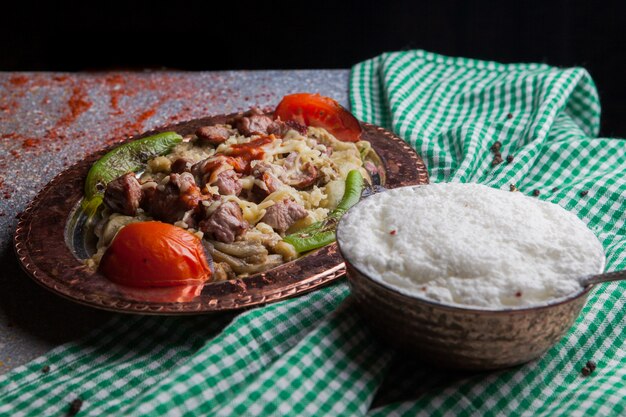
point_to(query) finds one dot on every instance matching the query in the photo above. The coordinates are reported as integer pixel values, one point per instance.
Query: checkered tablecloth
(313, 355)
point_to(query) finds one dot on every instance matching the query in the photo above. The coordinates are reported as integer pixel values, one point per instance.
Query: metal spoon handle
(606, 277)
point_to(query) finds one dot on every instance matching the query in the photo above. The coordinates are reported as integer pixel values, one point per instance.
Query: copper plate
(50, 245)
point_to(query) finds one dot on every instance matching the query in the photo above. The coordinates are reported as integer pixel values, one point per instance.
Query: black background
(93, 36)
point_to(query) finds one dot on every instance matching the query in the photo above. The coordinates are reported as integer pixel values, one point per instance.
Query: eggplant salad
(231, 200)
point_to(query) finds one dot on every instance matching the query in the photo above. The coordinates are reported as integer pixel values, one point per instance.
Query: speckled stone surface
(48, 121)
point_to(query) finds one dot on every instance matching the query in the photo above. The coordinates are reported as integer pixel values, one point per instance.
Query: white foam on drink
(470, 245)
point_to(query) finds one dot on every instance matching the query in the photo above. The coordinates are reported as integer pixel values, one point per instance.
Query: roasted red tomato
(155, 254)
(319, 111)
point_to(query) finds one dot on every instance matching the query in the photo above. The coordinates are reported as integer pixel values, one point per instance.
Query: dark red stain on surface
(139, 121)
(30, 143)
(77, 104)
(117, 89)
(26, 143)
(18, 80)
(57, 123)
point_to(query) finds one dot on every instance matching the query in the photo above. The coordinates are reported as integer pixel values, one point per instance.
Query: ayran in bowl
(465, 275)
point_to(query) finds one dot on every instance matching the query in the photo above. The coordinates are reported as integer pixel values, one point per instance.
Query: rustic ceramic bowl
(460, 337)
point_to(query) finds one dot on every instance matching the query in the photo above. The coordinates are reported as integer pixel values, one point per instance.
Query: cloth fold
(314, 355)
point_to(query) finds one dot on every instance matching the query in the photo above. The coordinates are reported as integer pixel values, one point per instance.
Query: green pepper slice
(322, 233)
(125, 158)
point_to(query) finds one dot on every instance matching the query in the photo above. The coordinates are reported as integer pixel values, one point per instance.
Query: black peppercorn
(536, 193)
(509, 159)
(555, 189)
(591, 365)
(45, 369)
(496, 146)
(584, 193)
(75, 407)
(509, 116)
(585, 371)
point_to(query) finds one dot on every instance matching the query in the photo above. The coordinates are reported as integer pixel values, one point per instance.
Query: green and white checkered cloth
(313, 355)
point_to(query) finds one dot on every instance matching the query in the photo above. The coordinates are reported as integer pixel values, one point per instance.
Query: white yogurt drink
(469, 245)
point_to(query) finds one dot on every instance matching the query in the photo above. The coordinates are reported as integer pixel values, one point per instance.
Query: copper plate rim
(402, 167)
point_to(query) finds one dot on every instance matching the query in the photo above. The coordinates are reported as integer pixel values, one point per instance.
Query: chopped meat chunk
(272, 184)
(280, 128)
(123, 194)
(283, 214)
(304, 178)
(262, 167)
(214, 134)
(254, 125)
(296, 175)
(176, 198)
(225, 223)
(208, 170)
(253, 122)
(181, 165)
(228, 183)
(267, 181)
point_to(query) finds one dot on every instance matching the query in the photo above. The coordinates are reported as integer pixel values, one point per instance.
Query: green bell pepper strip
(322, 233)
(125, 158)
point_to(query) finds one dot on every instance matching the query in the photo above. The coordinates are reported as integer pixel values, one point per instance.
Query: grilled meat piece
(304, 178)
(181, 165)
(228, 183)
(208, 170)
(283, 214)
(267, 182)
(280, 128)
(252, 122)
(176, 198)
(254, 125)
(215, 134)
(298, 175)
(123, 194)
(225, 223)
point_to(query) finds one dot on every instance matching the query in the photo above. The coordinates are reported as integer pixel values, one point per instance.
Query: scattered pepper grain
(591, 365)
(496, 146)
(75, 407)
(584, 193)
(585, 371)
(536, 193)
(496, 160)
(513, 188)
(45, 369)
(509, 159)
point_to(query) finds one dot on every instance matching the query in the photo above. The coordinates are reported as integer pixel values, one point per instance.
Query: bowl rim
(458, 307)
